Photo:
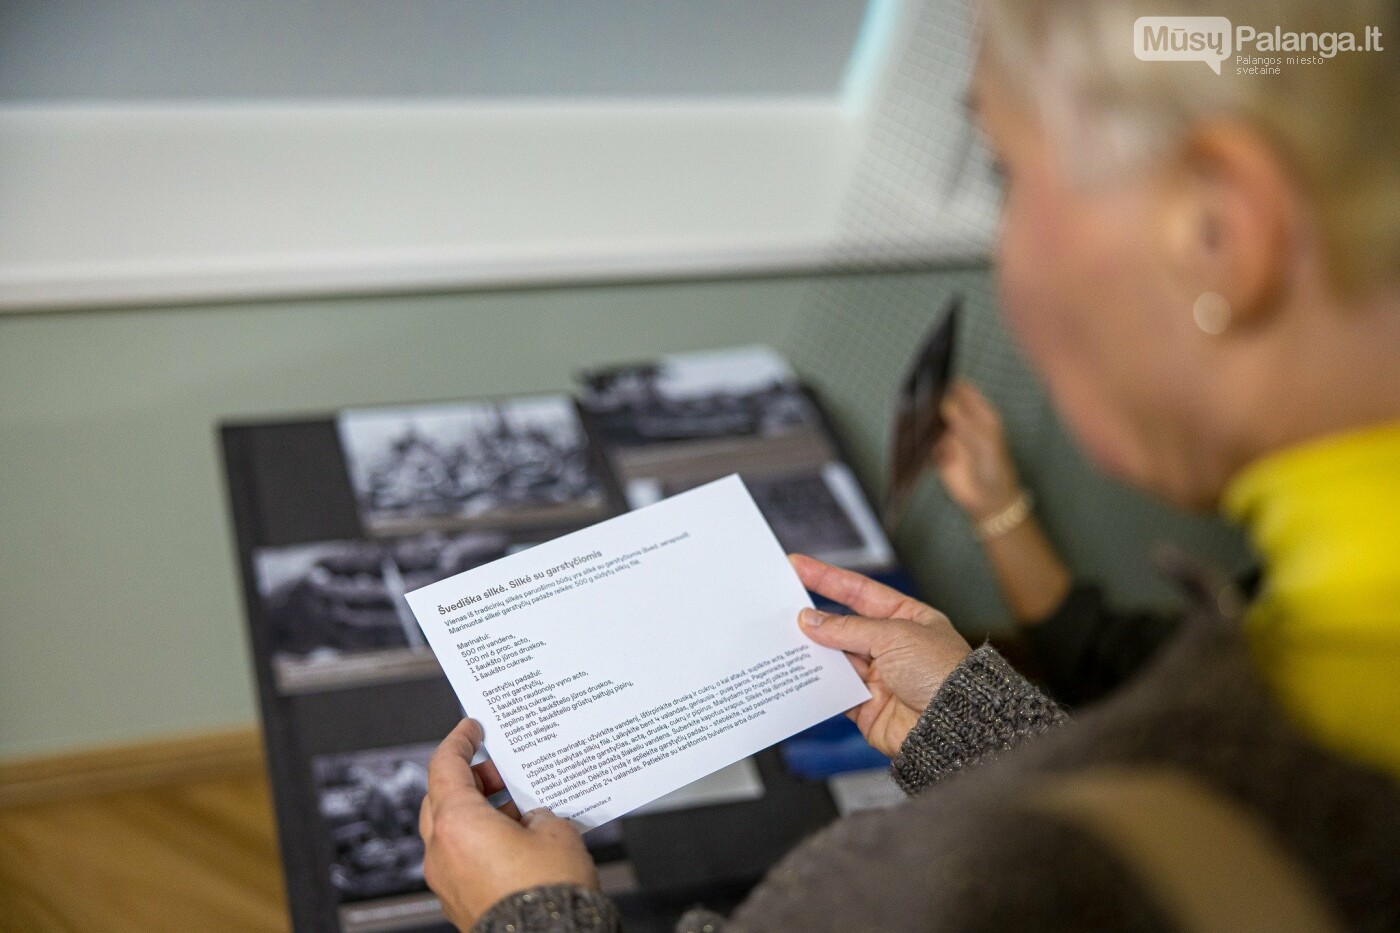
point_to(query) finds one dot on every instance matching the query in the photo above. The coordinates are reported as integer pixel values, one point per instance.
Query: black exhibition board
(287, 484)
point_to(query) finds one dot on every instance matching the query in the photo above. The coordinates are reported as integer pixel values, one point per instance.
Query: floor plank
(200, 855)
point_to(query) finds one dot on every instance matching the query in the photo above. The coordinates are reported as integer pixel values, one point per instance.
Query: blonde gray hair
(1336, 123)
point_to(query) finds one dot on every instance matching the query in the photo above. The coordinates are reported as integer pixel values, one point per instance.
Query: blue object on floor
(833, 746)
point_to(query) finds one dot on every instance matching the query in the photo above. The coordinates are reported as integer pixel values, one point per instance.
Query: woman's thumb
(845, 633)
(538, 817)
(542, 821)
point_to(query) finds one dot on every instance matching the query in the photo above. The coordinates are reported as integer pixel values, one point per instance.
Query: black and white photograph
(368, 803)
(335, 612)
(505, 464)
(804, 514)
(428, 558)
(820, 512)
(739, 393)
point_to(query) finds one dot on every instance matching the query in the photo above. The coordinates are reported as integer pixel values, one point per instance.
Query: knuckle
(472, 730)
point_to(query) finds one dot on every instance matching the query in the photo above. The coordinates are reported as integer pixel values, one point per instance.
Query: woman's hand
(901, 648)
(475, 854)
(972, 457)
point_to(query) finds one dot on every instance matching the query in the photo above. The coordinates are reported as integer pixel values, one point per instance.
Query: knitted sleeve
(554, 908)
(566, 908)
(983, 708)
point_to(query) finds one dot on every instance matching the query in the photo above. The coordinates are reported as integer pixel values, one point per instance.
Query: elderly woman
(1206, 270)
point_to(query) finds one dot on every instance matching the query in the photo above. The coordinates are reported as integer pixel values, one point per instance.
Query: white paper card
(616, 664)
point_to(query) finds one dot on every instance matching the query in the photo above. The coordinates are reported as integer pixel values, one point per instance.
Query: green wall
(119, 610)
(120, 616)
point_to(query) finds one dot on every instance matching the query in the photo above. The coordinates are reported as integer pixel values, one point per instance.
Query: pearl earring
(1212, 313)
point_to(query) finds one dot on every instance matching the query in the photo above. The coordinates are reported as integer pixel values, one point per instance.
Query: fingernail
(811, 617)
(531, 815)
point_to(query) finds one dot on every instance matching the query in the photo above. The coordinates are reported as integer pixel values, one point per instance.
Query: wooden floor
(194, 855)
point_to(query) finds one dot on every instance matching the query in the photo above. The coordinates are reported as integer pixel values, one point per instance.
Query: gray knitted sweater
(962, 855)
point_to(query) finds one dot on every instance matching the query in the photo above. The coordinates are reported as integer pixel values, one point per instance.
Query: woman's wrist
(1006, 518)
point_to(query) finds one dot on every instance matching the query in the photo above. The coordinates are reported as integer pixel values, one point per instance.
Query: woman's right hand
(901, 648)
(972, 458)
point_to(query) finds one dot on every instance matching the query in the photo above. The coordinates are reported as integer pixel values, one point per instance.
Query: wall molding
(172, 760)
(130, 206)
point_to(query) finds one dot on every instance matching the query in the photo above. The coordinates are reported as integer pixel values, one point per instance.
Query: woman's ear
(1232, 222)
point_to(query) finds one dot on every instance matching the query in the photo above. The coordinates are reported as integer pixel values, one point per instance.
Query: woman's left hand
(901, 648)
(972, 456)
(475, 854)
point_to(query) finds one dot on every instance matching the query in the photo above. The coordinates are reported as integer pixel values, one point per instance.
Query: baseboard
(88, 773)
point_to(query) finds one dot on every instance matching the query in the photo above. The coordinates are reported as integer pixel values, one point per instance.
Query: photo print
(748, 392)
(821, 512)
(503, 464)
(368, 803)
(335, 612)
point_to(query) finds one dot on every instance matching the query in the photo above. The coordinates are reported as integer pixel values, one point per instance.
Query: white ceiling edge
(124, 207)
